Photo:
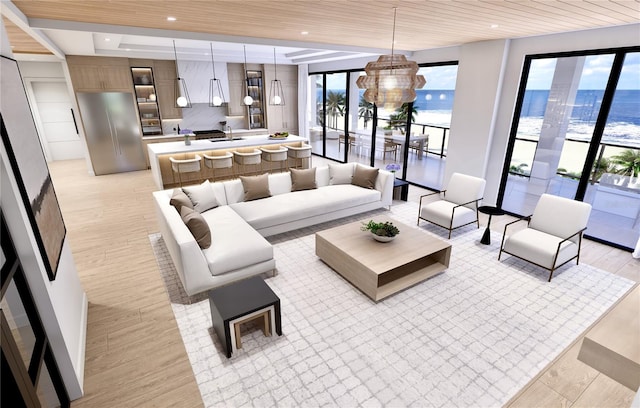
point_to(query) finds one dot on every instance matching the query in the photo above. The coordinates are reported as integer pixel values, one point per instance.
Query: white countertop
(205, 144)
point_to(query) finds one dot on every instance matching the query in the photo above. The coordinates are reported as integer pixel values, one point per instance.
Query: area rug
(471, 336)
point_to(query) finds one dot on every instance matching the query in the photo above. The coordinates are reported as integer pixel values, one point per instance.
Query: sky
(441, 77)
(595, 72)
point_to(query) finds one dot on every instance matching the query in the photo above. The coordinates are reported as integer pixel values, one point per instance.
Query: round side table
(490, 211)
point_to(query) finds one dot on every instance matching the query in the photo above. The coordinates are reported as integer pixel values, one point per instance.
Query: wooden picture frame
(26, 157)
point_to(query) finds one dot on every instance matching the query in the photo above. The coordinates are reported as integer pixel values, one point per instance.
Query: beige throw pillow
(365, 177)
(255, 187)
(340, 173)
(202, 196)
(303, 179)
(197, 225)
(180, 199)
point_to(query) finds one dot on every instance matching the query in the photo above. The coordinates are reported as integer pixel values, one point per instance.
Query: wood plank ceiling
(22, 42)
(421, 24)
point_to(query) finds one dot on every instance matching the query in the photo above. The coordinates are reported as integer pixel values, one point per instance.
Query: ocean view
(623, 125)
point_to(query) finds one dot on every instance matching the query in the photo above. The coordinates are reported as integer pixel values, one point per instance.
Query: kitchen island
(159, 154)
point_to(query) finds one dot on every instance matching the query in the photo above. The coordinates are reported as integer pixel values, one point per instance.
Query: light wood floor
(135, 356)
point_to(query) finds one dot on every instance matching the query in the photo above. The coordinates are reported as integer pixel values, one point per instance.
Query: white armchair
(459, 203)
(553, 235)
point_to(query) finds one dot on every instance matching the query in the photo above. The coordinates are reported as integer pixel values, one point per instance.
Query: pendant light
(391, 80)
(180, 93)
(247, 100)
(216, 96)
(276, 96)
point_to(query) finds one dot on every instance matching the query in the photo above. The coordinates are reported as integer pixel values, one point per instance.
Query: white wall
(480, 72)
(62, 303)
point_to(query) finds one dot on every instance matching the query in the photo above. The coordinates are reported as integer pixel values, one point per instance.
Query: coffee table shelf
(382, 269)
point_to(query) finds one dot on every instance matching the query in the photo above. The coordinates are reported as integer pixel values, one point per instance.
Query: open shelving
(255, 89)
(146, 99)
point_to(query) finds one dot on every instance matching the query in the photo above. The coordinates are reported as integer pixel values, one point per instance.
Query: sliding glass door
(576, 133)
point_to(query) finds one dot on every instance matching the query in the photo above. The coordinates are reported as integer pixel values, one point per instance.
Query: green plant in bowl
(381, 229)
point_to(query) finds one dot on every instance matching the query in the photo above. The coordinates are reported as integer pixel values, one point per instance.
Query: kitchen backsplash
(203, 117)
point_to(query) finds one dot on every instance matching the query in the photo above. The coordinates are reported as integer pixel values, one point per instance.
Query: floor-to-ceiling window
(432, 108)
(576, 134)
(345, 127)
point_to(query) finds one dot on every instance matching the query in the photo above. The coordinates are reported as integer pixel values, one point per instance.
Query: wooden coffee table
(382, 269)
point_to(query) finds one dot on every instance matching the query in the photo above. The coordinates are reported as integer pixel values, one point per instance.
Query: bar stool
(298, 154)
(218, 160)
(184, 166)
(274, 154)
(247, 157)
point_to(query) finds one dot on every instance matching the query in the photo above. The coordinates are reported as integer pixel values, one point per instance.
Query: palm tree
(365, 110)
(629, 162)
(398, 120)
(600, 167)
(335, 106)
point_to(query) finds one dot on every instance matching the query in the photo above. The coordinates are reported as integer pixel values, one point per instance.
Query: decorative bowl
(381, 238)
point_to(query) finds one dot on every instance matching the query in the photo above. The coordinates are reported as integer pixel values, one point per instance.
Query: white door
(58, 129)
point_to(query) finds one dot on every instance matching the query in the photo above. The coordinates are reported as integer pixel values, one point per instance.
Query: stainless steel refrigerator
(112, 132)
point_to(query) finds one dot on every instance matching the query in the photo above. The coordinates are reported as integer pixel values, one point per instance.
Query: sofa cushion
(340, 173)
(521, 243)
(197, 225)
(179, 199)
(439, 212)
(255, 187)
(235, 244)
(364, 176)
(202, 196)
(303, 179)
(285, 208)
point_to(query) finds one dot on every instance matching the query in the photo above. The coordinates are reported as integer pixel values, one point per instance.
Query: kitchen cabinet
(97, 74)
(165, 71)
(146, 99)
(283, 118)
(235, 73)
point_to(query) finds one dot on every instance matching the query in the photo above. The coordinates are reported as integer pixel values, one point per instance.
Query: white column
(562, 96)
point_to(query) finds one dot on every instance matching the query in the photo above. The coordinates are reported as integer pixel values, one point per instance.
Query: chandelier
(392, 79)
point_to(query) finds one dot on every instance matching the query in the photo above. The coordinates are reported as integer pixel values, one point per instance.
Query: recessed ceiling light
(494, 26)
(304, 33)
(171, 18)
(127, 49)
(107, 39)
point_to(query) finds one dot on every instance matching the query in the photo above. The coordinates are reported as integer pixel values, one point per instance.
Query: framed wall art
(22, 144)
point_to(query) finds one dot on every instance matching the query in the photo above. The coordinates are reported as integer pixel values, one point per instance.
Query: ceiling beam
(10, 11)
(48, 24)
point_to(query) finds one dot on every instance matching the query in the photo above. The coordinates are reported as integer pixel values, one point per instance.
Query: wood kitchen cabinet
(165, 72)
(283, 118)
(95, 74)
(235, 73)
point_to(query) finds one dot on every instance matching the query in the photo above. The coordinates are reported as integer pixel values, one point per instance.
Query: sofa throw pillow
(365, 177)
(197, 225)
(340, 173)
(303, 179)
(202, 196)
(255, 187)
(180, 199)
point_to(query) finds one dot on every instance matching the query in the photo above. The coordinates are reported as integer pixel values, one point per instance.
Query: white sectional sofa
(238, 227)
